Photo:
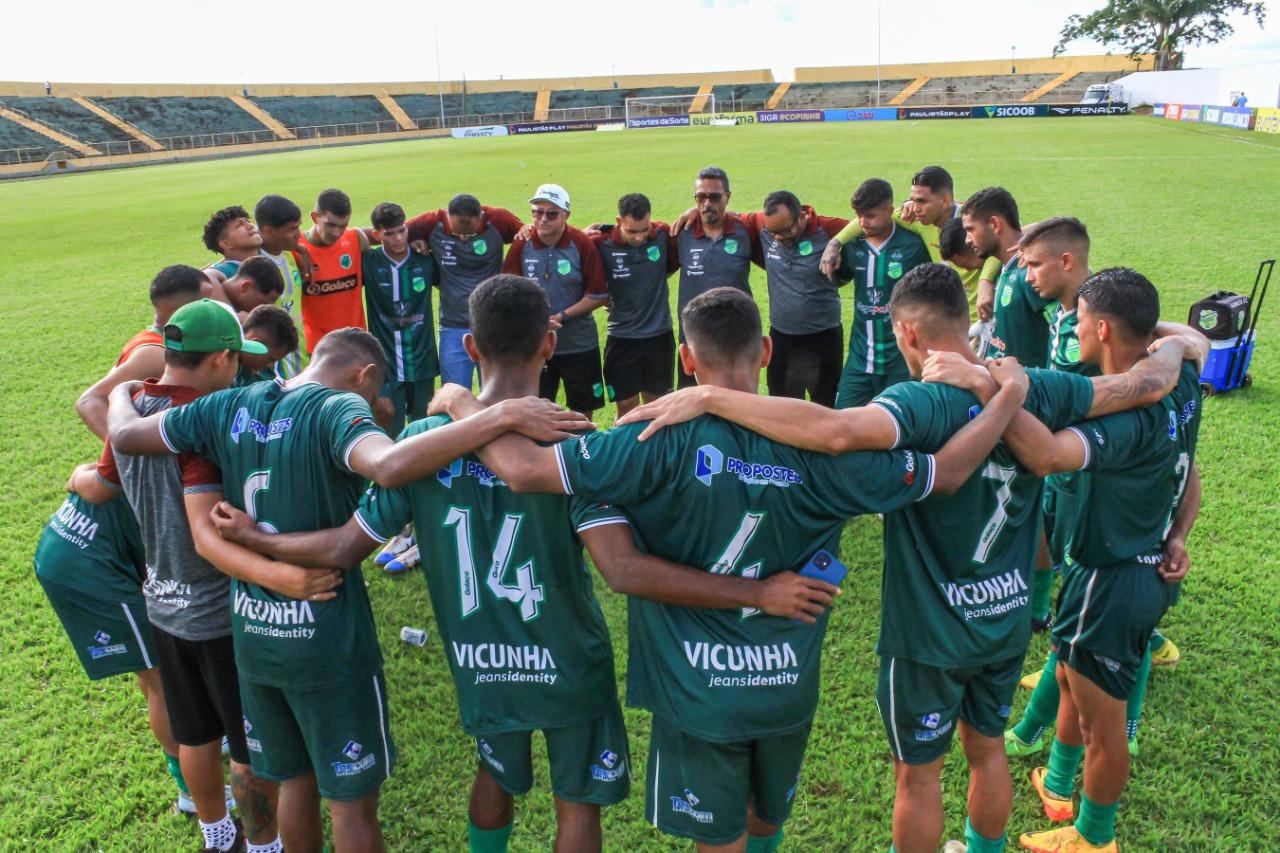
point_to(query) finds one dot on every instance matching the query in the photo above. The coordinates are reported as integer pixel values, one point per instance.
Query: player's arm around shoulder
(143, 363)
(130, 432)
(970, 446)
(332, 548)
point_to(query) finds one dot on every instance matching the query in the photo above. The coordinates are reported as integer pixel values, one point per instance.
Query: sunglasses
(712, 197)
(549, 215)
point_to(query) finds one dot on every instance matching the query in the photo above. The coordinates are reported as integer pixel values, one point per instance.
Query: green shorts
(700, 789)
(857, 388)
(590, 762)
(1104, 621)
(110, 637)
(410, 400)
(921, 704)
(343, 734)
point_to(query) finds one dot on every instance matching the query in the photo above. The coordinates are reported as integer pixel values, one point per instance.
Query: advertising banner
(708, 119)
(1089, 109)
(784, 116)
(1190, 112)
(1009, 111)
(909, 113)
(1158, 110)
(479, 131)
(1267, 121)
(659, 121)
(1238, 117)
(868, 114)
(557, 126)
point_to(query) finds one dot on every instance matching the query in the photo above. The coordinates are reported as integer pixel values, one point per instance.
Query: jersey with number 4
(715, 496)
(523, 632)
(284, 455)
(957, 567)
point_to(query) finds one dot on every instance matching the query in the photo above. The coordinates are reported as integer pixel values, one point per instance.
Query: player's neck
(396, 256)
(1009, 245)
(745, 379)
(189, 379)
(1119, 358)
(958, 344)
(1072, 293)
(712, 231)
(241, 254)
(274, 248)
(877, 240)
(314, 239)
(504, 382)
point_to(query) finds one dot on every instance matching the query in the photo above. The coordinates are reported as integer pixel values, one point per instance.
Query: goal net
(664, 105)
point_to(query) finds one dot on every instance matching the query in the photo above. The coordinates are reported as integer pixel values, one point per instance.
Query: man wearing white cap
(565, 264)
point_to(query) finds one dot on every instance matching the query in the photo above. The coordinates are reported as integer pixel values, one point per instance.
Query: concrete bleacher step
(777, 96)
(268, 121)
(108, 116)
(48, 132)
(699, 102)
(542, 106)
(401, 117)
(910, 89)
(1039, 93)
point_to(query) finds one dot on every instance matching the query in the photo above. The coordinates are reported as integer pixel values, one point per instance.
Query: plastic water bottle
(414, 636)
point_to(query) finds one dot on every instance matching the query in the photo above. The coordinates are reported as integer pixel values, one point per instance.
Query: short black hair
(723, 326)
(464, 204)
(993, 201)
(350, 346)
(1064, 231)
(276, 211)
(951, 239)
(934, 287)
(714, 173)
(782, 198)
(187, 360)
(871, 193)
(387, 215)
(276, 323)
(1125, 297)
(509, 318)
(934, 178)
(264, 274)
(333, 201)
(634, 206)
(177, 282)
(217, 225)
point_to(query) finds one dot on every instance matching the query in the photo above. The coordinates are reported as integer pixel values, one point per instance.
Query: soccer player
(231, 234)
(271, 326)
(948, 660)
(715, 250)
(732, 693)
(332, 299)
(875, 262)
(565, 263)
(397, 293)
(280, 223)
(142, 356)
(638, 256)
(257, 281)
(466, 239)
(1020, 317)
(535, 594)
(310, 667)
(1124, 559)
(186, 597)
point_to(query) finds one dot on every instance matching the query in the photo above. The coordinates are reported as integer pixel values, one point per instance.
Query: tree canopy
(1162, 27)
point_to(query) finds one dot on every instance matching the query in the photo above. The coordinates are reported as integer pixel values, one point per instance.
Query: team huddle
(1012, 415)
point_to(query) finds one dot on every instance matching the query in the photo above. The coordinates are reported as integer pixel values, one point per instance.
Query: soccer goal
(664, 105)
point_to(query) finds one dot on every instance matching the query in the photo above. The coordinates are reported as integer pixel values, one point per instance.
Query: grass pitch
(1191, 207)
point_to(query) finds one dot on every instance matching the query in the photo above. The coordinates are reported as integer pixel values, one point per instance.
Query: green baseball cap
(207, 326)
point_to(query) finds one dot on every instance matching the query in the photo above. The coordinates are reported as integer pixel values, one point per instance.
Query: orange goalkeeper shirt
(333, 299)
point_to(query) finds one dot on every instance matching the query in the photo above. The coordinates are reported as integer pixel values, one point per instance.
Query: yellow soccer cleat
(1056, 808)
(1064, 839)
(1032, 679)
(1167, 655)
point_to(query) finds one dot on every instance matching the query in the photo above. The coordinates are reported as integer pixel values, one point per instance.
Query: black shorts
(633, 365)
(583, 385)
(806, 364)
(202, 691)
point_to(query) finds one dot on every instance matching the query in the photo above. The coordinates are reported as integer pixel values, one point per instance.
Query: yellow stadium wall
(974, 68)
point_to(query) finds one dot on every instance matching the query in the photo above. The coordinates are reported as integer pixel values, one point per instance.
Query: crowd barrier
(1263, 119)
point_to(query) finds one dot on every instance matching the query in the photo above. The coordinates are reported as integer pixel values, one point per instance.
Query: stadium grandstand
(66, 126)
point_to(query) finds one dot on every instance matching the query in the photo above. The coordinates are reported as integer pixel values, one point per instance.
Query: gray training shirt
(637, 281)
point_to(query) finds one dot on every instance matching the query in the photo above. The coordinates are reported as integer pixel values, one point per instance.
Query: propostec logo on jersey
(243, 422)
(355, 765)
(711, 461)
(610, 768)
(687, 805)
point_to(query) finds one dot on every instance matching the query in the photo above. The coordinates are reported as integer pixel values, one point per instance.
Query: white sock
(269, 847)
(219, 835)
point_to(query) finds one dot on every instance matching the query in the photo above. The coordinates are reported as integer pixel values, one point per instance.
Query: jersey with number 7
(957, 567)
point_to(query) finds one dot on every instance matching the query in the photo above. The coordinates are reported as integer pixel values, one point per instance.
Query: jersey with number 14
(957, 567)
(284, 456)
(715, 496)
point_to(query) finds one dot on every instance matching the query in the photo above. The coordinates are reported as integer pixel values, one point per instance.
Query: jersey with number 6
(1133, 479)
(284, 458)
(956, 567)
(715, 496)
(523, 632)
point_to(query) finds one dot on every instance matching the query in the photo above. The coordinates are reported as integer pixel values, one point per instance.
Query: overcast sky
(323, 41)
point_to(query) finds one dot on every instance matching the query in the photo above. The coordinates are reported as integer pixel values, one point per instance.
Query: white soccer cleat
(394, 547)
(406, 559)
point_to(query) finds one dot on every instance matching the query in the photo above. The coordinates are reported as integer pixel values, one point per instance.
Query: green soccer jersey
(1136, 469)
(523, 632)
(397, 299)
(874, 272)
(957, 567)
(715, 496)
(1020, 319)
(94, 549)
(283, 453)
(1064, 344)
